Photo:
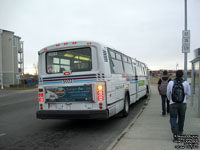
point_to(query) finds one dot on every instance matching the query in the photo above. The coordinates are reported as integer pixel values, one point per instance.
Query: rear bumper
(65, 114)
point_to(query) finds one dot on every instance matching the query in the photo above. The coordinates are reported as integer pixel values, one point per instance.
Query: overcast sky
(148, 30)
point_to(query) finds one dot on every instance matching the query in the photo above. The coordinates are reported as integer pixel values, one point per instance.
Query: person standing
(162, 89)
(178, 91)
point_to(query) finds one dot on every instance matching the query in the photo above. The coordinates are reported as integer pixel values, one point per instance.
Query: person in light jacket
(178, 110)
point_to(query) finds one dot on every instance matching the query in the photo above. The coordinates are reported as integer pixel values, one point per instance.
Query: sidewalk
(151, 131)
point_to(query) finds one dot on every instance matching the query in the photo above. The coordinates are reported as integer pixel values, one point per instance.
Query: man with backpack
(162, 89)
(178, 91)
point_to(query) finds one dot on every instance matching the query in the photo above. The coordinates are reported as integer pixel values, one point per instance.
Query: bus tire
(125, 111)
(147, 92)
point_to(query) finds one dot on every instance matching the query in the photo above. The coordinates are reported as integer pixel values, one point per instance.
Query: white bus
(87, 80)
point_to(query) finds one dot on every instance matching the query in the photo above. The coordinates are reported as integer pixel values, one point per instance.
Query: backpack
(178, 93)
(163, 86)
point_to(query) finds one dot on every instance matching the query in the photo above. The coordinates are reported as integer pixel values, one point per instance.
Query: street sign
(18, 76)
(186, 41)
(186, 33)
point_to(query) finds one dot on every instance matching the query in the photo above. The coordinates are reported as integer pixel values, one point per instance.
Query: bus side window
(115, 64)
(128, 68)
(111, 62)
(118, 56)
(136, 72)
(139, 71)
(144, 71)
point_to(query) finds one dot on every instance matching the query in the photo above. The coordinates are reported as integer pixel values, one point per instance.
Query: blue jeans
(164, 100)
(177, 111)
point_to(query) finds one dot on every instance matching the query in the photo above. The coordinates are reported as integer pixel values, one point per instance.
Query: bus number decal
(67, 81)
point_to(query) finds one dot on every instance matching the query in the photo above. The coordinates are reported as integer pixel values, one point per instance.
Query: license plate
(59, 106)
(52, 106)
(55, 106)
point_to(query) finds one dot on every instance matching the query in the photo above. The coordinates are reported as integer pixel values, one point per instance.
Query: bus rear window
(74, 60)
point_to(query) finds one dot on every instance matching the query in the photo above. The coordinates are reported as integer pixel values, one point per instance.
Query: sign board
(18, 76)
(69, 94)
(186, 41)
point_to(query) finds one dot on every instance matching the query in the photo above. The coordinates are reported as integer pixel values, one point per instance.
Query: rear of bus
(72, 81)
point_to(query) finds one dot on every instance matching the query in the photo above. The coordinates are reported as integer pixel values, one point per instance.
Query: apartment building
(11, 58)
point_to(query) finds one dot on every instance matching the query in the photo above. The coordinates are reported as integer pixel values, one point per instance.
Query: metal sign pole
(1, 60)
(185, 53)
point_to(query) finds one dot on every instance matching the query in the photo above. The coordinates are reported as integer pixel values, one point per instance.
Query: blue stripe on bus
(52, 82)
(134, 82)
(84, 80)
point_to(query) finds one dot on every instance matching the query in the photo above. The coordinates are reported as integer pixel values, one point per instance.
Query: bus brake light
(41, 95)
(67, 73)
(100, 92)
(41, 99)
(100, 98)
(100, 106)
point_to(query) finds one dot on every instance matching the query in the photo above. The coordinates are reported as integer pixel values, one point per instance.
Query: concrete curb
(125, 131)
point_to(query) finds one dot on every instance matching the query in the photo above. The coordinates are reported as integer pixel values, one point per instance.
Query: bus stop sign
(186, 41)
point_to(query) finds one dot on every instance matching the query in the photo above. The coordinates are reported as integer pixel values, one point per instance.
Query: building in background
(171, 73)
(11, 58)
(195, 101)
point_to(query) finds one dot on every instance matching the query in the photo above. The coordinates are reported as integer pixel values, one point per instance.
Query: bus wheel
(125, 111)
(147, 92)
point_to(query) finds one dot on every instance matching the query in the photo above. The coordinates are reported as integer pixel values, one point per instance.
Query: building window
(14, 42)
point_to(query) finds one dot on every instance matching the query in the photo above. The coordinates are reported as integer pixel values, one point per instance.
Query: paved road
(20, 130)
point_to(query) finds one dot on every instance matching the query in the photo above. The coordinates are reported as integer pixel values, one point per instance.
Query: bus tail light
(41, 99)
(100, 87)
(41, 106)
(100, 98)
(41, 95)
(100, 93)
(100, 106)
(40, 90)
